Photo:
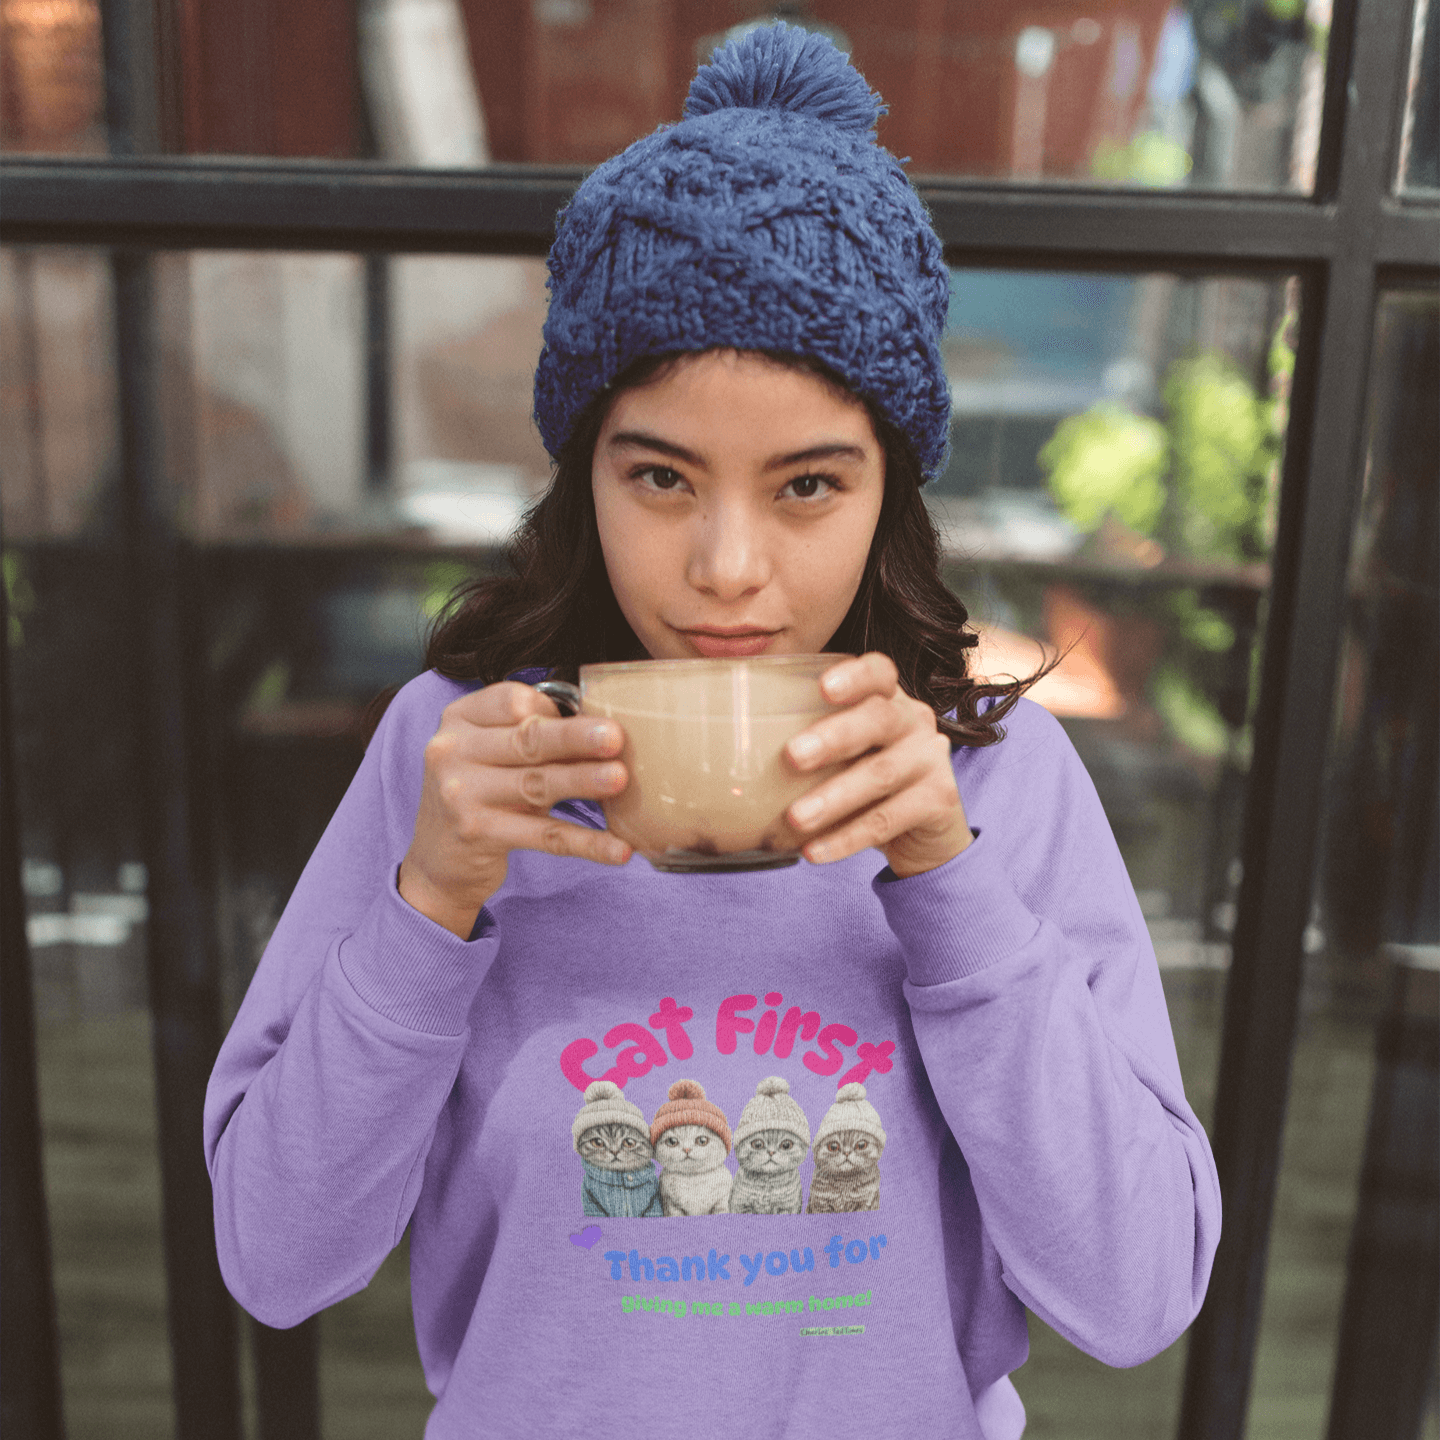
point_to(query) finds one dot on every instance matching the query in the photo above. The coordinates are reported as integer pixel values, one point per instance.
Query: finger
(871, 780)
(874, 828)
(535, 740)
(511, 705)
(541, 787)
(850, 732)
(868, 674)
(507, 702)
(540, 741)
(556, 837)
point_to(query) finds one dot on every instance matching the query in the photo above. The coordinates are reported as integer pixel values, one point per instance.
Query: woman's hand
(500, 759)
(899, 793)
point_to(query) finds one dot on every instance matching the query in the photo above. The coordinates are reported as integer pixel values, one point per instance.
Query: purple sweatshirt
(975, 1063)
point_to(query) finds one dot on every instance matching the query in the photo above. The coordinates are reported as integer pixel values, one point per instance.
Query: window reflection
(1420, 134)
(1349, 1311)
(1115, 92)
(51, 85)
(1110, 495)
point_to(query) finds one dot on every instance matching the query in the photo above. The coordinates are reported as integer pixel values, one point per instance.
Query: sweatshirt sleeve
(328, 1088)
(1039, 1013)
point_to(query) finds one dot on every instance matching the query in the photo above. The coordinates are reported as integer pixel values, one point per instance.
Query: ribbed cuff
(413, 971)
(958, 919)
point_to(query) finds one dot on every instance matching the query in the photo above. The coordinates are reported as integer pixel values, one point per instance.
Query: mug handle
(565, 696)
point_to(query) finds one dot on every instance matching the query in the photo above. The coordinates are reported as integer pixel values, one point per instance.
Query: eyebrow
(827, 450)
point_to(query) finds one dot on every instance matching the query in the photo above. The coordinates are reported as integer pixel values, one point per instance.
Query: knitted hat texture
(605, 1104)
(687, 1105)
(767, 219)
(771, 1108)
(851, 1111)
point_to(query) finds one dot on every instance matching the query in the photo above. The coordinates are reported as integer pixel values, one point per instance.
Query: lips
(729, 644)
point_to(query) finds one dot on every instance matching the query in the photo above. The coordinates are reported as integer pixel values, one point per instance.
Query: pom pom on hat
(782, 67)
(851, 1111)
(605, 1104)
(687, 1105)
(768, 219)
(771, 1108)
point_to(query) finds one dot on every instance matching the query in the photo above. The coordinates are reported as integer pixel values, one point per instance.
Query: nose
(728, 557)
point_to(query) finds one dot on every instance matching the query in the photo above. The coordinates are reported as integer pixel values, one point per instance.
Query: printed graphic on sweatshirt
(635, 1272)
(641, 1048)
(690, 1139)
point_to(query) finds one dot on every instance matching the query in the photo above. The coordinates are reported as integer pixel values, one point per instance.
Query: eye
(809, 487)
(658, 477)
(861, 1144)
(702, 1139)
(757, 1144)
(833, 1147)
(787, 1144)
(671, 1140)
(627, 1144)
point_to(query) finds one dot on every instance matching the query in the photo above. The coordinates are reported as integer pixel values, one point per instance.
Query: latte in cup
(709, 784)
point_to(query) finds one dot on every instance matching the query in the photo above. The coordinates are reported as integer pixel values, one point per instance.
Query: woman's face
(736, 499)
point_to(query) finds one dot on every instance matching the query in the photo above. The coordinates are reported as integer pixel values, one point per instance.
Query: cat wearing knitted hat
(692, 1138)
(848, 1146)
(613, 1142)
(771, 1140)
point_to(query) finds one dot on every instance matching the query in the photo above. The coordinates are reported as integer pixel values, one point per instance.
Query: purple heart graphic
(588, 1238)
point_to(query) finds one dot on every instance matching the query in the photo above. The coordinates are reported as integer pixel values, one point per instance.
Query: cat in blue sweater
(612, 1139)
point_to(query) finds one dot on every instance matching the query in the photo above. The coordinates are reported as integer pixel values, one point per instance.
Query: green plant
(1197, 483)
(1108, 460)
(19, 596)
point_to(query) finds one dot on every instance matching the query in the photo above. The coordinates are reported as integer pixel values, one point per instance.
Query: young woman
(937, 1055)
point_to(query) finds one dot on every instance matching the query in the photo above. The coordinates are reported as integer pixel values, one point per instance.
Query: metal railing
(1346, 242)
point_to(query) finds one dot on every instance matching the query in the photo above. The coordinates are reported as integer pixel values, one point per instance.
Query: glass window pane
(85, 888)
(1143, 93)
(1420, 136)
(1111, 492)
(1110, 498)
(1356, 1240)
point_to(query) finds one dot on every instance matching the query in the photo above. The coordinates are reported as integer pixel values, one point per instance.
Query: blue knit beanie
(767, 219)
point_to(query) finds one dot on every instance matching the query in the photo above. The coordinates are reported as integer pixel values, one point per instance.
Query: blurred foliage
(1202, 627)
(1149, 159)
(1222, 446)
(442, 579)
(1196, 483)
(1108, 460)
(1196, 480)
(19, 596)
(1187, 711)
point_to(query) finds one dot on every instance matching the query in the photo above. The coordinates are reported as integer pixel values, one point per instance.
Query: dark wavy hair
(555, 608)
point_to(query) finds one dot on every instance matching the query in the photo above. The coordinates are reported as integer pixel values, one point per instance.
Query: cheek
(641, 559)
(828, 571)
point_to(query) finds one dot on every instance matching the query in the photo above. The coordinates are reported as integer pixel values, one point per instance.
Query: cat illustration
(771, 1140)
(848, 1146)
(691, 1139)
(613, 1142)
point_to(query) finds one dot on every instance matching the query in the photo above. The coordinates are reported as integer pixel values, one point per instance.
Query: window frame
(1355, 236)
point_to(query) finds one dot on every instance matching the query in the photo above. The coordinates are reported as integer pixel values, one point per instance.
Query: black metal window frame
(1348, 241)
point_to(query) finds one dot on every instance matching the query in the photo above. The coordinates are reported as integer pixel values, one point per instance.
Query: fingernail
(610, 775)
(817, 854)
(807, 809)
(602, 734)
(802, 747)
(836, 685)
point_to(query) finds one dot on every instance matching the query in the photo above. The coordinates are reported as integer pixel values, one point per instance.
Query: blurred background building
(271, 291)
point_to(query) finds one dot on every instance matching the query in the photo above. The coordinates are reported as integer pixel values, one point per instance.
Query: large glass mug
(704, 740)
